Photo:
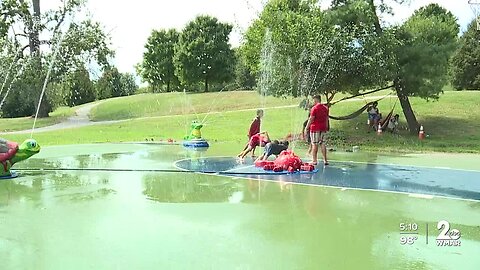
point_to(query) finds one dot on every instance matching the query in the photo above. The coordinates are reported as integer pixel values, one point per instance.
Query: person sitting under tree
(374, 115)
(393, 124)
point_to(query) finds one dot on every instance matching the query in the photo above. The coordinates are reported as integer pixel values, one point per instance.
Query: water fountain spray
(10, 69)
(20, 72)
(50, 66)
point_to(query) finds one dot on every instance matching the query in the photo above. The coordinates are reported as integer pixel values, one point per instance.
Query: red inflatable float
(286, 161)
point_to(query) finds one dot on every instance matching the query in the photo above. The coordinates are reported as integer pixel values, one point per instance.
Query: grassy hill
(452, 123)
(24, 123)
(149, 105)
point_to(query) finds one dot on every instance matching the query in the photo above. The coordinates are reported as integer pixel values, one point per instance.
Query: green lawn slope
(452, 123)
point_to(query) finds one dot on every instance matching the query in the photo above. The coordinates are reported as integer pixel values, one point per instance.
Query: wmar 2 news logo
(447, 237)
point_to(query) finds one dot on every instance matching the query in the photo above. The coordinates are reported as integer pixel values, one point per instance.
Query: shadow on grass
(444, 133)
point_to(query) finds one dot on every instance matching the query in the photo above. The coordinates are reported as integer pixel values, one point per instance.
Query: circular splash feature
(366, 176)
(196, 143)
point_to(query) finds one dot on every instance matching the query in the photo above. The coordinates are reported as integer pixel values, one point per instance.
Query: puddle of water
(142, 220)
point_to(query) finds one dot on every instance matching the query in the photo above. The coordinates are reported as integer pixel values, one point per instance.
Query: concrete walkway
(80, 119)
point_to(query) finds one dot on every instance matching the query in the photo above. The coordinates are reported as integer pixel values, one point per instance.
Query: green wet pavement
(138, 220)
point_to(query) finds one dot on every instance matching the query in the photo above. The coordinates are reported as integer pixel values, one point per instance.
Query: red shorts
(255, 141)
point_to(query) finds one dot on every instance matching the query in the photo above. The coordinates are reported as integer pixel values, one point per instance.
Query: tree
(129, 86)
(79, 87)
(428, 39)
(277, 41)
(421, 50)
(109, 84)
(465, 64)
(296, 49)
(27, 27)
(115, 84)
(243, 75)
(203, 54)
(157, 67)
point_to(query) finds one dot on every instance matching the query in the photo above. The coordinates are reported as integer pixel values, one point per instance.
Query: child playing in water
(259, 139)
(254, 128)
(273, 148)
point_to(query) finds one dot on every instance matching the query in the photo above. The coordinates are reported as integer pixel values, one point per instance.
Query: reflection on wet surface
(140, 220)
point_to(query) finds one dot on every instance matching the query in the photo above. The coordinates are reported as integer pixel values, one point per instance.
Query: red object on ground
(263, 163)
(268, 167)
(170, 140)
(288, 159)
(277, 169)
(259, 163)
(421, 133)
(307, 167)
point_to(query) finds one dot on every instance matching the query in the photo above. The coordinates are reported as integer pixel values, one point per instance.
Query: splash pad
(137, 186)
(419, 181)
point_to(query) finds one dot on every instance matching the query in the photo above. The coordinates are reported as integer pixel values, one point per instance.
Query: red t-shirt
(320, 122)
(254, 127)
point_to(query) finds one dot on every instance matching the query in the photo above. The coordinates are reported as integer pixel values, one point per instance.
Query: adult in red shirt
(319, 126)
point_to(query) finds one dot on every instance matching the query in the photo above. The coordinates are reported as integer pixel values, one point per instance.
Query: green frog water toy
(194, 139)
(195, 132)
(11, 153)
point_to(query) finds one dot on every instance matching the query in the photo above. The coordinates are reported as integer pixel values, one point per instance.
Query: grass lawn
(452, 124)
(148, 105)
(23, 123)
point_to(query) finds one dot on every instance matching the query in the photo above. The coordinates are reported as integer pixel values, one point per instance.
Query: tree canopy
(465, 68)
(157, 67)
(203, 53)
(55, 40)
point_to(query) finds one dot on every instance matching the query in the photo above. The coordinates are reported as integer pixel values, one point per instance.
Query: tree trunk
(376, 21)
(206, 84)
(168, 86)
(34, 44)
(412, 122)
(33, 37)
(404, 101)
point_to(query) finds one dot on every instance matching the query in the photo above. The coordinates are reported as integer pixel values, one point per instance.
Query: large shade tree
(427, 40)
(157, 67)
(203, 53)
(347, 49)
(297, 49)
